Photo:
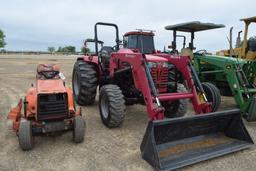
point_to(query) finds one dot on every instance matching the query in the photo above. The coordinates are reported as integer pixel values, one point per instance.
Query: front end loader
(139, 74)
(48, 108)
(231, 75)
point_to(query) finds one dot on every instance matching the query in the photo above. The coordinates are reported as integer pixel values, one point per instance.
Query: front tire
(112, 106)
(84, 83)
(212, 95)
(79, 129)
(25, 135)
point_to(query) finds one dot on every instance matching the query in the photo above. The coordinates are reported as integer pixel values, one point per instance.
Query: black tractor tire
(212, 95)
(79, 129)
(177, 108)
(112, 106)
(25, 135)
(172, 76)
(84, 83)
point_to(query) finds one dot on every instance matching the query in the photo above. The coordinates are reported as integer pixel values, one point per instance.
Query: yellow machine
(245, 49)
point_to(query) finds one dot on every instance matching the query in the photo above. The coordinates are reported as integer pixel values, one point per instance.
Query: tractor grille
(160, 78)
(52, 106)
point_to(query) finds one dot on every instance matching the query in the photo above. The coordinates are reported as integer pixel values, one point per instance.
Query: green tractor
(232, 76)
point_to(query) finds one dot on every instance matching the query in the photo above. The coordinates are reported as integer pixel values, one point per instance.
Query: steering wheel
(201, 52)
(114, 47)
(49, 74)
(175, 51)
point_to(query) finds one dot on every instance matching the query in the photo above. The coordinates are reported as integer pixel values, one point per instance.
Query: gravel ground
(103, 149)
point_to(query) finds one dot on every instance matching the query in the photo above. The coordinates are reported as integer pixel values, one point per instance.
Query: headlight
(152, 64)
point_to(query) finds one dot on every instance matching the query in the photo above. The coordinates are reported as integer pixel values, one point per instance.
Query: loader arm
(144, 83)
(141, 81)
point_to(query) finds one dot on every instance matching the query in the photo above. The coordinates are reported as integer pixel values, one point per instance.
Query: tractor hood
(154, 58)
(50, 86)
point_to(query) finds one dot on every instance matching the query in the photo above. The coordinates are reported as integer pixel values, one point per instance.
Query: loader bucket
(173, 143)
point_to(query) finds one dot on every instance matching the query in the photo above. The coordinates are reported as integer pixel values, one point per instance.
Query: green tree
(51, 49)
(85, 50)
(67, 49)
(71, 49)
(2, 41)
(59, 49)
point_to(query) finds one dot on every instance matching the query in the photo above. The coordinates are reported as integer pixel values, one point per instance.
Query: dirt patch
(204, 143)
(103, 148)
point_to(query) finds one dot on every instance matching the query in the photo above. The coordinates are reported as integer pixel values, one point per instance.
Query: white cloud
(37, 24)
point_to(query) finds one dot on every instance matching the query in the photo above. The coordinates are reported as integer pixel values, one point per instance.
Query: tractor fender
(71, 106)
(15, 116)
(92, 60)
(31, 98)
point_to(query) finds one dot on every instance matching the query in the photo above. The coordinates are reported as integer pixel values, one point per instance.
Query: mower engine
(48, 108)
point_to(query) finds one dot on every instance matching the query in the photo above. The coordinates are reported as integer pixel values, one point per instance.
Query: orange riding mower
(48, 108)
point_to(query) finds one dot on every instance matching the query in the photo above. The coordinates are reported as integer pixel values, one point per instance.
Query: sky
(39, 24)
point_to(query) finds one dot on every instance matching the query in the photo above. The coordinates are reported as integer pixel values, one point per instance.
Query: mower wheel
(177, 108)
(111, 105)
(212, 95)
(84, 82)
(25, 135)
(79, 129)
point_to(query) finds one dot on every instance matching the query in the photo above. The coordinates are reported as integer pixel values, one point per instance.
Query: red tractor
(48, 108)
(138, 73)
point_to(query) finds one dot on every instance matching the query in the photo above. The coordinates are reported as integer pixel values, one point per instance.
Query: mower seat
(105, 54)
(48, 71)
(187, 52)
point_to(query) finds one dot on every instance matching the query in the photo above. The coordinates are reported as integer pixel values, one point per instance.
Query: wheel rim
(76, 84)
(104, 106)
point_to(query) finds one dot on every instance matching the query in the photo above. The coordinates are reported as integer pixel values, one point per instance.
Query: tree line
(2, 39)
(65, 49)
(68, 49)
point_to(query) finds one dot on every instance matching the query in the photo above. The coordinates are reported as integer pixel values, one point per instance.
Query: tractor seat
(187, 52)
(252, 44)
(48, 71)
(105, 53)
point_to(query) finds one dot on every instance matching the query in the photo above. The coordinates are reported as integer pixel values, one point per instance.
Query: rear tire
(84, 83)
(79, 129)
(212, 95)
(112, 106)
(177, 108)
(25, 135)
